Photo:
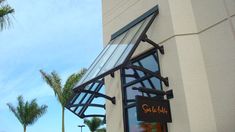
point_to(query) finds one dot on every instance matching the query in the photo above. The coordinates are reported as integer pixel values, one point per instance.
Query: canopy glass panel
(116, 52)
(113, 57)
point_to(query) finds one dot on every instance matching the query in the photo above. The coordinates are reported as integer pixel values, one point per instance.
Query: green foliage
(27, 112)
(5, 10)
(94, 124)
(62, 93)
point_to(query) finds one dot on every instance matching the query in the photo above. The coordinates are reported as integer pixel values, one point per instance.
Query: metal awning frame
(143, 37)
(126, 64)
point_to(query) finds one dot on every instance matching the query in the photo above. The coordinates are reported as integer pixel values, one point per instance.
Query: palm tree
(5, 10)
(94, 123)
(27, 112)
(63, 93)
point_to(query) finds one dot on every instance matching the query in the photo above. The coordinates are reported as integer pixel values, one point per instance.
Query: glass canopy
(115, 53)
(83, 100)
(113, 57)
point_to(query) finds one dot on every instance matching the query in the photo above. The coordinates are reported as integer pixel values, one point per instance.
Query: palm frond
(47, 78)
(94, 123)
(57, 86)
(88, 123)
(15, 112)
(56, 79)
(36, 111)
(5, 10)
(20, 109)
(74, 78)
(71, 83)
(27, 112)
(53, 81)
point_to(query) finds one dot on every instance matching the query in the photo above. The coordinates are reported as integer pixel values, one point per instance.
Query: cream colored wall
(217, 40)
(219, 52)
(195, 84)
(171, 69)
(199, 41)
(114, 115)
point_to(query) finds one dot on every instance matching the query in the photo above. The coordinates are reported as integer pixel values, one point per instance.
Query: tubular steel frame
(130, 103)
(154, 11)
(127, 64)
(87, 103)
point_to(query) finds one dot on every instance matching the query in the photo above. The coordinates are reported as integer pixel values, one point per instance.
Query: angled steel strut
(169, 93)
(112, 99)
(156, 74)
(146, 39)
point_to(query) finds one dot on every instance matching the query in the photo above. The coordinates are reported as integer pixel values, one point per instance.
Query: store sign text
(152, 110)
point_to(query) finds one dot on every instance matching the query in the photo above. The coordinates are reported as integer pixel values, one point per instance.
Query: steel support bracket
(112, 99)
(146, 39)
(169, 94)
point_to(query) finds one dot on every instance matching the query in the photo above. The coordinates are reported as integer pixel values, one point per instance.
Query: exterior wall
(199, 41)
(217, 39)
(114, 113)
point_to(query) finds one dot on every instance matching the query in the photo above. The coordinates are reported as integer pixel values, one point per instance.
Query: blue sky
(51, 35)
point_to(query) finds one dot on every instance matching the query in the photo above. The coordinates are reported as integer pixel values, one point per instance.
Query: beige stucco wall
(114, 112)
(217, 40)
(199, 41)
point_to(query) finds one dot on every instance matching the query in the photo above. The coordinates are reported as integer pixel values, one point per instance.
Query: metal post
(81, 126)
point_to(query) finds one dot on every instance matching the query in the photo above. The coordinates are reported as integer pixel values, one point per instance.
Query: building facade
(199, 60)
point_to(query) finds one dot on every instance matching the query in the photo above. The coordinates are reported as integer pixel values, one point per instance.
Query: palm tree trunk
(62, 118)
(24, 128)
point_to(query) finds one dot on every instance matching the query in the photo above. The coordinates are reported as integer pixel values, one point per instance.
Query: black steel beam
(92, 105)
(137, 80)
(140, 38)
(81, 112)
(93, 115)
(146, 39)
(169, 93)
(112, 99)
(82, 99)
(150, 91)
(134, 22)
(165, 80)
(130, 105)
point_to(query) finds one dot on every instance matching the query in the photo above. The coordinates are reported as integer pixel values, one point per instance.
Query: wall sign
(153, 110)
